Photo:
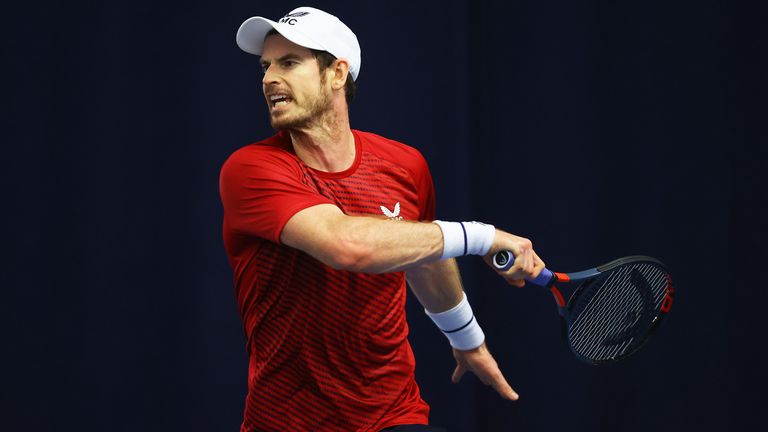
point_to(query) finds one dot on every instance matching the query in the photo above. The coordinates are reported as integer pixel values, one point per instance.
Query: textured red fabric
(328, 349)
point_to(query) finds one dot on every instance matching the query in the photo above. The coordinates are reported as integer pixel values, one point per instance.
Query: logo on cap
(290, 19)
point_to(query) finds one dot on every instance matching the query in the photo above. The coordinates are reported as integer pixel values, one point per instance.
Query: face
(295, 90)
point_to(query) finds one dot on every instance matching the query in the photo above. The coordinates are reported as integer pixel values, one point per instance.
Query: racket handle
(503, 261)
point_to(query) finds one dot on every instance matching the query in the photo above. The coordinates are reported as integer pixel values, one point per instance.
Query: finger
(483, 379)
(529, 263)
(538, 265)
(523, 266)
(500, 384)
(518, 282)
(519, 271)
(506, 391)
(458, 373)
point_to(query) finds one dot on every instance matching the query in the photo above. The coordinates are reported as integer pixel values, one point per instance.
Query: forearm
(437, 285)
(361, 243)
(375, 245)
(439, 289)
(382, 246)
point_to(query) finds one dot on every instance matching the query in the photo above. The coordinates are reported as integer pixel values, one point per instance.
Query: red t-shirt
(328, 349)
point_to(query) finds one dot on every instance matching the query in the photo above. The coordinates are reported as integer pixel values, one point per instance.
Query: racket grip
(504, 260)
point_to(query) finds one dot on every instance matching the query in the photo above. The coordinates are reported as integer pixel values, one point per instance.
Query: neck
(327, 144)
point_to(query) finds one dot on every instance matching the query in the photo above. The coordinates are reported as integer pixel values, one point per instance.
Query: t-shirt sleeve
(261, 192)
(426, 190)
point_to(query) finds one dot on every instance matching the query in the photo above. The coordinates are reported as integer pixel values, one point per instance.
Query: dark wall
(597, 129)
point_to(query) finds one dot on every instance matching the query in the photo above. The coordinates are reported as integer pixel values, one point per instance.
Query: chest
(377, 187)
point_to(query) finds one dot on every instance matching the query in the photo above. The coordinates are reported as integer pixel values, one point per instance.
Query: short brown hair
(324, 61)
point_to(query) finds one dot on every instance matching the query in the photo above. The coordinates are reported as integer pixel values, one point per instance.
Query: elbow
(348, 244)
(354, 256)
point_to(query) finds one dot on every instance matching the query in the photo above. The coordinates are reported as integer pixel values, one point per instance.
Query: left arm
(437, 285)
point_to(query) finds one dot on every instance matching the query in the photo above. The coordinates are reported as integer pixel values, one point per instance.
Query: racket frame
(592, 273)
(549, 280)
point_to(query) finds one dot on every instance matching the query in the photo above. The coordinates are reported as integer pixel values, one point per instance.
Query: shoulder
(393, 151)
(270, 152)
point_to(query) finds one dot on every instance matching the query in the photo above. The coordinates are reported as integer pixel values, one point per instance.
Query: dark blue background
(597, 129)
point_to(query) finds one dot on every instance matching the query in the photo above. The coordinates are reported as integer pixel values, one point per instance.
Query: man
(321, 226)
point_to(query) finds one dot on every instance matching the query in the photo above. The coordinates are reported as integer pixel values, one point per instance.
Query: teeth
(279, 100)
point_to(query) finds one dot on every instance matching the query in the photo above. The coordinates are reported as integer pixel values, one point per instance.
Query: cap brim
(250, 35)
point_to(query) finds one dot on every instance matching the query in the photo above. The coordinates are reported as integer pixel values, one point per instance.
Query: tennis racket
(615, 308)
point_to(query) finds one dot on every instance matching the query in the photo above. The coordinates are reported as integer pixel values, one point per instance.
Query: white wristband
(459, 325)
(466, 238)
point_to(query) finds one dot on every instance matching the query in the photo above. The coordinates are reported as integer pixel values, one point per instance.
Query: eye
(264, 67)
(289, 63)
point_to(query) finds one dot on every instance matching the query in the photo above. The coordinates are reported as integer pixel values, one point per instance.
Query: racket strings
(593, 325)
(635, 321)
(616, 318)
(614, 312)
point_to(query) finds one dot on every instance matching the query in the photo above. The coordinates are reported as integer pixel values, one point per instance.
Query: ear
(340, 68)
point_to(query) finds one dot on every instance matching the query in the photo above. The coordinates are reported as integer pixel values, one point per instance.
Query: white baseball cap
(308, 27)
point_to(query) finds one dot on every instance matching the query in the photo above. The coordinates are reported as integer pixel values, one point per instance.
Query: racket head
(610, 317)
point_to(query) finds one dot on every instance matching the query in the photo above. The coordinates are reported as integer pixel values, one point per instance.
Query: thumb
(458, 373)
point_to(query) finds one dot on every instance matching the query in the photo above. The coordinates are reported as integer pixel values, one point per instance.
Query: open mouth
(279, 100)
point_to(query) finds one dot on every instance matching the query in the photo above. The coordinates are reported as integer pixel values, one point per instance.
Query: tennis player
(323, 225)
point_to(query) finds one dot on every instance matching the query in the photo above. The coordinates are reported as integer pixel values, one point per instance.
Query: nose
(269, 77)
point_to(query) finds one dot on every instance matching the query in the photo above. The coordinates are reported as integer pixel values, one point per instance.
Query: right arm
(263, 196)
(377, 245)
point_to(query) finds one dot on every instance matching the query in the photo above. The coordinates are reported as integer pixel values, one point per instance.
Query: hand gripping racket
(614, 310)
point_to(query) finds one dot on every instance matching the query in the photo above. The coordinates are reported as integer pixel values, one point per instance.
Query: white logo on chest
(393, 214)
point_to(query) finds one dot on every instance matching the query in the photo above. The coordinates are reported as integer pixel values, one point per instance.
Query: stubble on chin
(318, 111)
(279, 124)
